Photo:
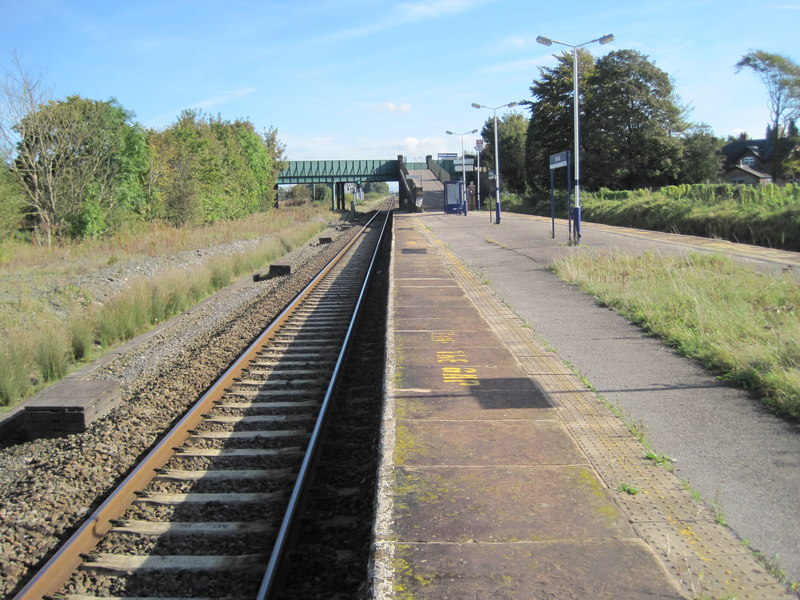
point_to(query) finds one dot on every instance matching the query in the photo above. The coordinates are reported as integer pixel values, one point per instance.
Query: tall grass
(156, 239)
(45, 352)
(15, 372)
(767, 215)
(744, 326)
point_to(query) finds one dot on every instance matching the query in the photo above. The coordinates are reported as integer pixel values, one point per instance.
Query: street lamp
(496, 154)
(577, 162)
(463, 168)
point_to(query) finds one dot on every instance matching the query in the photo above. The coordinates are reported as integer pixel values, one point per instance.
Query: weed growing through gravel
(744, 326)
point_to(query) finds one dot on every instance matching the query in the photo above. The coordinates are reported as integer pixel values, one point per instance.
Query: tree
(632, 125)
(376, 187)
(205, 169)
(701, 161)
(781, 77)
(79, 160)
(11, 201)
(550, 125)
(633, 131)
(322, 193)
(22, 93)
(299, 194)
(512, 130)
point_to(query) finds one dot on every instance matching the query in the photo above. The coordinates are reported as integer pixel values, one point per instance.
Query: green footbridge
(338, 172)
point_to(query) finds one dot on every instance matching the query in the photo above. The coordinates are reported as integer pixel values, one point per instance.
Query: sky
(361, 79)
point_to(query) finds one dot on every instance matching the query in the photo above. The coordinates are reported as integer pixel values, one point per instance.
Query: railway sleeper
(222, 474)
(119, 563)
(224, 498)
(164, 528)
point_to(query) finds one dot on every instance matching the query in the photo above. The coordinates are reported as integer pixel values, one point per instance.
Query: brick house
(748, 162)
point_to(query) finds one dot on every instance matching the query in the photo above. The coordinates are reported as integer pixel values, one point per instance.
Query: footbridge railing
(338, 171)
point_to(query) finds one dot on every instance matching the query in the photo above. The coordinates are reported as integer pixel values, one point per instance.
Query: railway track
(210, 511)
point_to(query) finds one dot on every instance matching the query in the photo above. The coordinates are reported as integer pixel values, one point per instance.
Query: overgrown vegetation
(83, 168)
(744, 326)
(37, 347)
(766, 215)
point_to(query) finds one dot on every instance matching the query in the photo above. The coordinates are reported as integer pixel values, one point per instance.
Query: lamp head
(607, 38)
(449, 133)
(474, 131)
(511, 104)
(476, 105)
(545, 41)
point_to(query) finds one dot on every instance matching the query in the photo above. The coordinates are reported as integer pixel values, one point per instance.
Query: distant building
(748, 161)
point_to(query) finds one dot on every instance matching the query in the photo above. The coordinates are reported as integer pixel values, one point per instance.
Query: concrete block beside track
(68, 407)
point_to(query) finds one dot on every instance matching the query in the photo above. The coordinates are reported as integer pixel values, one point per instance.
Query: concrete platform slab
(413, 319)
(481, 443)
(472, 404)
(600, 570)
(417, 348)
(430, 296)
(455, 377)
(430, 270)
(503, 504)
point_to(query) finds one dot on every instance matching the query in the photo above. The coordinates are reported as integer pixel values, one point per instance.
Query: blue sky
(378, 78)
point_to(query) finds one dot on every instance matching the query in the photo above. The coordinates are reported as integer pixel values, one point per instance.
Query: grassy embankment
(743, 326)
(765, 216)
(39, 345)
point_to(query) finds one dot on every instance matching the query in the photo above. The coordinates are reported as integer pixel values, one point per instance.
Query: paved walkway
(503, 477)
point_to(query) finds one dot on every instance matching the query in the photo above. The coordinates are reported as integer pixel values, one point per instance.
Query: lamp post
(496, 154)
(577, 158)
(463, 168)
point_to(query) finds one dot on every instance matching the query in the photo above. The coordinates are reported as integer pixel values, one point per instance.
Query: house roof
(761, 148)
(749, 171)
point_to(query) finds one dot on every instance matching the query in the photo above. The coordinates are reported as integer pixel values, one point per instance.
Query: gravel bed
(47, 486)
(331, 557)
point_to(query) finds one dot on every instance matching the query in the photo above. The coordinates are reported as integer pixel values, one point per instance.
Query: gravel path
(46, 486)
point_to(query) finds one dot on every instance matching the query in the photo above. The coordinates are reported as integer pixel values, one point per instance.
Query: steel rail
(67, 558)
(270, 584)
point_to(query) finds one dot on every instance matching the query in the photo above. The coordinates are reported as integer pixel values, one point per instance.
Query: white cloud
(432, 10)
(224, 98)
(392, 107)
(404, 14)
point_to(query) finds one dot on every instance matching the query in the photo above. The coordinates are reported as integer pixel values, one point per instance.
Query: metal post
(463, 178)
(552, 204)
(496, 170)
(577, 216)
(546, 41)
(569, 203)
(478, 178)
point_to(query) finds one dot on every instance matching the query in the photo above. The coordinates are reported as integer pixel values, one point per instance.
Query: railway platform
(503, 476)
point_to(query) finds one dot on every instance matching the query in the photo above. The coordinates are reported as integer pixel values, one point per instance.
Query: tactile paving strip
(704, 556)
